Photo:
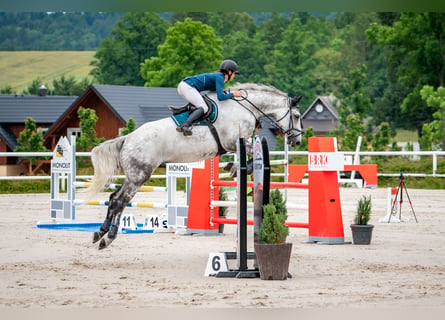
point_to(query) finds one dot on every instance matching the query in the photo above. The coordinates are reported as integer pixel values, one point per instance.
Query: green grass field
(20, 68)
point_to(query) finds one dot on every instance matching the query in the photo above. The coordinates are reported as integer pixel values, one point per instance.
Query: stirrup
(186, 130)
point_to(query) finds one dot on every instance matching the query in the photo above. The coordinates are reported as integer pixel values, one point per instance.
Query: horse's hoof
(105, 242)
(180, 129)
(228, 167)
(102, 244)
(96, 236)
(187, 132)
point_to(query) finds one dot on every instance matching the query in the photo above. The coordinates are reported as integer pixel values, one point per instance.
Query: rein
(271, 119)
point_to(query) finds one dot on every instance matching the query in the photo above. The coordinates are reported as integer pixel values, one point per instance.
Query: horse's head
(289, 121)
(282, 111)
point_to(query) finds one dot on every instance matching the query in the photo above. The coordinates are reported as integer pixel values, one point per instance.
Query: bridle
(291, 131)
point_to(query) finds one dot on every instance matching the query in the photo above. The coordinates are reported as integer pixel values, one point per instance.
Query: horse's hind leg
(118, 202)
(97, 235)
(115, 209)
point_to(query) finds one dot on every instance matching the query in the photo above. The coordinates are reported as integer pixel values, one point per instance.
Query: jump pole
(63, 168)
(242, 255)
(261, 197)
(325, 224)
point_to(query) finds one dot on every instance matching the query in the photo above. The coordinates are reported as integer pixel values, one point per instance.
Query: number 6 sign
(217, 262)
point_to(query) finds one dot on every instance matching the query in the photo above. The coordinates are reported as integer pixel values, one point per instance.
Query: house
(57, 115)
(14, 109)
(322, 115)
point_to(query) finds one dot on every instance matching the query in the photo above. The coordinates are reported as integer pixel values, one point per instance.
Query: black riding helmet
(229, 65)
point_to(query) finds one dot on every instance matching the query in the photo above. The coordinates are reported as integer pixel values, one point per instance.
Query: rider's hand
(236, 93)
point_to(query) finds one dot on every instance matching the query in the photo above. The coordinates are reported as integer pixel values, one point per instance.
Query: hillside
(20, 68)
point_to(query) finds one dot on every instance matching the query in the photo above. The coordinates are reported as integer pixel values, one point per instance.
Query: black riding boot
(186, 126)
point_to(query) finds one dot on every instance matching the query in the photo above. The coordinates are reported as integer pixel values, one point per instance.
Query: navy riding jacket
(213, 81)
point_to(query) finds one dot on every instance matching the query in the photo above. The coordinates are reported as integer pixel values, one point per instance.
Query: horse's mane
(258, 87)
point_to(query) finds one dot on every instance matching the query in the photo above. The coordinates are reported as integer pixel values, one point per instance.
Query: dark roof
(43, 109)
(143, 104)
(9, 137)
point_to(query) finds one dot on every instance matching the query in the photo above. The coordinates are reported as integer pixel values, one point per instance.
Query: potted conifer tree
(273, 253)
(361, 230)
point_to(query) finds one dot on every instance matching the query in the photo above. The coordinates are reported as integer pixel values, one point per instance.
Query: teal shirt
(213, 81)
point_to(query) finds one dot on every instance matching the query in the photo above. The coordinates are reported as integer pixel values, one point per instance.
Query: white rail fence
(286, 154)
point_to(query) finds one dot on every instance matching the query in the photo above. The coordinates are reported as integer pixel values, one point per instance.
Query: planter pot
(361, 234)
(273, 260)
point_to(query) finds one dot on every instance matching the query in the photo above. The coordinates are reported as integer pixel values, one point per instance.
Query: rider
(190, 88)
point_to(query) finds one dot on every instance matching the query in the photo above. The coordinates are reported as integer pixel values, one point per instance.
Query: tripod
(402, 186)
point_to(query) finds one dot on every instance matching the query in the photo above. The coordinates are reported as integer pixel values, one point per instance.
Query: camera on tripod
(399, 194)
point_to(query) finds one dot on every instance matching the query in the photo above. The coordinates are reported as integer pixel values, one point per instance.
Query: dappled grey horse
(155, 143)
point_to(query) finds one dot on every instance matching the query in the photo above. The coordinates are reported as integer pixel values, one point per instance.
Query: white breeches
(192, 95)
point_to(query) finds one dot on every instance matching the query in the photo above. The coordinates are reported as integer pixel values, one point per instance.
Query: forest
(386, 69)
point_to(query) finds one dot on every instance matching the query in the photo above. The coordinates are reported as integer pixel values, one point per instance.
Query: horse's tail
(106, 162)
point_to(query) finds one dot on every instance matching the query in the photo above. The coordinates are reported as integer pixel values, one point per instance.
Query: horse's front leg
(233, 167)
(249, 148)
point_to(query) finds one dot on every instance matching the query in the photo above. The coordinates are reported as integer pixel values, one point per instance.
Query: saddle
(180, 114)
(190, 107)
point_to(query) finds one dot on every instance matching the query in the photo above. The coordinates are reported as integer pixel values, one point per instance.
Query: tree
(416, 54)
(63, 86)
(130, 127)
(227, 23)
(271, 31)
(356, 98)
(31, 140)
(6, 89)
(68, 86)
(135, 38)
(54, 30)
(88, 138)
(34, 87)
(190, 47)
(326, 71)
(196, 16)
(433, 133)
(354, 108)
(292, 62)
(249, 54)
(381, 138)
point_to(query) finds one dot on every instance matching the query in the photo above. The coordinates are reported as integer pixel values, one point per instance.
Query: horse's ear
(295, 100)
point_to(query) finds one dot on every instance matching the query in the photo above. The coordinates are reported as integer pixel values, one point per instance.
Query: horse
(155, 143)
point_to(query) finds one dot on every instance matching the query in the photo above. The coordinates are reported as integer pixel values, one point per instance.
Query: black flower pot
(361, 233)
